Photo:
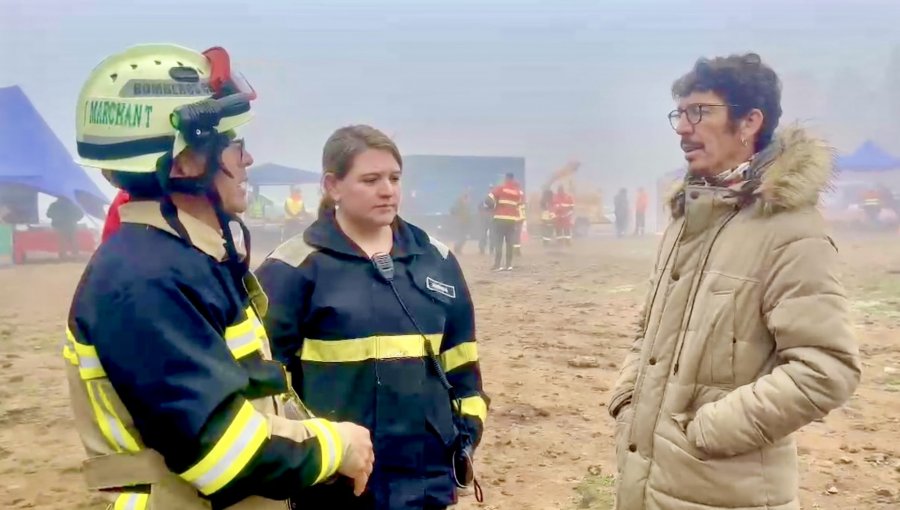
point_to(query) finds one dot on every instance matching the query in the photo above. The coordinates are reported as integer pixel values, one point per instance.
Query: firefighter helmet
(154, 100)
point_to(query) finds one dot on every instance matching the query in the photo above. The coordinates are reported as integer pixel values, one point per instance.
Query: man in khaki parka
(745, 336)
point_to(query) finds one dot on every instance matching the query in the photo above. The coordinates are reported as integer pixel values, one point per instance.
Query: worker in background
(520, 226)
(620, 206)
(175, 396)
(294, 213)
(505, 201)
(258, 204)
(375, 323)
(640, 211)
(485, 226)
(64, 217)
(461, 217)
(548, 225)
(564, 213)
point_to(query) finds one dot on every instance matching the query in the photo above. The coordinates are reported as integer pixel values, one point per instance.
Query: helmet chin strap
(203, 186)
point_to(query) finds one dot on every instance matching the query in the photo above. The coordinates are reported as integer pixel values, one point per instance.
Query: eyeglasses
(694, 113)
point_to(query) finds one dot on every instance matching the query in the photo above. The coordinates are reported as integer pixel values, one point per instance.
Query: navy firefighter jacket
(169, 355)
(354, 354)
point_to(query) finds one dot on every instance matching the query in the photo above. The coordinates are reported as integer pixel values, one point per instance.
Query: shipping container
(432, 184)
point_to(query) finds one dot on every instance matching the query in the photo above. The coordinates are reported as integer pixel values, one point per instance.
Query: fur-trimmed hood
(791, 172)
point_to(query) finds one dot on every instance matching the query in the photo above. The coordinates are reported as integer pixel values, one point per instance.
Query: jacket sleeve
(185, 392)
(459, 358)
(807, 313)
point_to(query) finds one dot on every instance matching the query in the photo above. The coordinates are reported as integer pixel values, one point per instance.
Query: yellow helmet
(154, 100)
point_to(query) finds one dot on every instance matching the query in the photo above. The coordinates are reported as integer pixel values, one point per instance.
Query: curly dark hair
(741, 80)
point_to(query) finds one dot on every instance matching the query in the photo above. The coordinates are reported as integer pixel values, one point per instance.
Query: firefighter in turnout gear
(547, 218)
(506, 200)
(375, 323)
(520, 226)
(564, 215)
(175, 396)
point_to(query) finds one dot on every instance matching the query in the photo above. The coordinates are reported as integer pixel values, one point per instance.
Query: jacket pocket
(622, 429)
(716, 339)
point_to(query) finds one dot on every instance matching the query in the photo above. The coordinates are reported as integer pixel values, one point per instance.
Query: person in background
(505, 201)
(375, 323)
(485, 225)
(64, 217)
(259, 204)
(746, 334)
(621, 211)
(520, 226)
(640, 211)
(548, 224)
(564, 213)
(461, 216)
(294, 213)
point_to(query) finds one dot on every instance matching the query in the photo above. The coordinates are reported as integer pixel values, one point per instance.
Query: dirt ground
(549, 440)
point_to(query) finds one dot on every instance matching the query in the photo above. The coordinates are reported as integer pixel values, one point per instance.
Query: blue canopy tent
(869, 157)
(271, 174)
(32, 156)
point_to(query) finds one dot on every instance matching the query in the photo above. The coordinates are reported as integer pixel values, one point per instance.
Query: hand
(359, 455)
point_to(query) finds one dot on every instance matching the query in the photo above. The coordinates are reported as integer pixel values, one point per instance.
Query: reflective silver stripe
(237, 345)
(132, 501)
(88, 363)
(116, 426)
(332, 451)
(233, 452)
(325, 437)
(243, 438)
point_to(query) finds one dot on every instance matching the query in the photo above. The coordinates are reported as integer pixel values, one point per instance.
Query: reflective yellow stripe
(330, 444)
(458, 356)
(474, 406)
(120, 432)
(243, 438)
(375, 347)
(246, 337)
(508, 202)
(89, 366)
(103, 421)
(132, 501)
(69, 354)
(515, 218)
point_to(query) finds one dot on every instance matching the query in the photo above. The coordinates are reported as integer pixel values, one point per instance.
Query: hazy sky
(547, 80)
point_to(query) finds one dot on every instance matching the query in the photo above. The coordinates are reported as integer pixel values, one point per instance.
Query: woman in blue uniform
(375, 323)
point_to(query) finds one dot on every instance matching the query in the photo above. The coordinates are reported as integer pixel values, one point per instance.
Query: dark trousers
(504, 233)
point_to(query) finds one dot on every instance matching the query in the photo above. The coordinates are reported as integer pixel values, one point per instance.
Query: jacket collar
(326, 234)
(791, 172)
(203, 237)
